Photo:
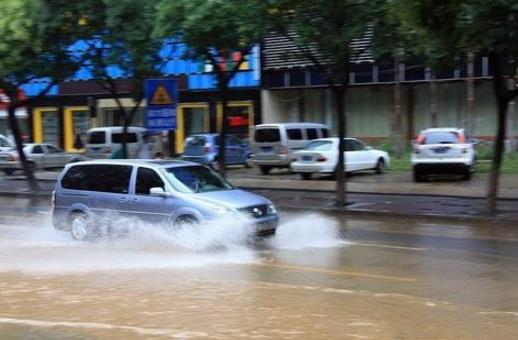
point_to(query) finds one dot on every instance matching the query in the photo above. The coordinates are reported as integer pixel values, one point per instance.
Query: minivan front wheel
(80, 228)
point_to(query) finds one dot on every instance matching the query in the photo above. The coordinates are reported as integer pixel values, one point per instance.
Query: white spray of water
(37, 247)
(307, 231)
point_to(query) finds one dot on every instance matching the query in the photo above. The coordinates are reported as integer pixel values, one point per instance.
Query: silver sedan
(39, 156)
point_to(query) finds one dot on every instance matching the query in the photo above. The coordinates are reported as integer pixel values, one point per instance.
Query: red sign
(4, 99)
(237, 121)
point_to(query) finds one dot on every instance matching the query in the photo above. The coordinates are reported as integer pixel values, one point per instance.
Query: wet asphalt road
(320, 277)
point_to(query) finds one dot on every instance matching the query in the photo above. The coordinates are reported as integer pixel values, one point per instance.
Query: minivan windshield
(267, 135)
(195, 179)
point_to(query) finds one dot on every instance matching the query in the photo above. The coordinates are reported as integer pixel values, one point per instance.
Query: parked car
(39, 156)
(321, 156)
(5, 143)
(173, 194)
(443, 151)
(204, 149)
(274, 144)
(103, 142)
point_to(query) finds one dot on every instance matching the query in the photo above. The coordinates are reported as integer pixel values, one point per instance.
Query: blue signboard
(161, 96)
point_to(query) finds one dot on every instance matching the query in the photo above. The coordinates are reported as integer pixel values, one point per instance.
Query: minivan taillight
(321, 158)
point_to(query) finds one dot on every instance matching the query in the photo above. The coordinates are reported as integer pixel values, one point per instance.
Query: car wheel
(8, 172)
(80, 227)
(418, 176)
(306, 175)
(380, 166)
(32, 166)
(265, 169)
(248, 161)
(185, 221)
(467, 174)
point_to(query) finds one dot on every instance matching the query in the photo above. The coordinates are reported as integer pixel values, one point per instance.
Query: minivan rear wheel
(80, 227)
(306, 175)
(265, 169)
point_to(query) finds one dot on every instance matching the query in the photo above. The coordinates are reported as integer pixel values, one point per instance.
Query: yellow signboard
(161, 96)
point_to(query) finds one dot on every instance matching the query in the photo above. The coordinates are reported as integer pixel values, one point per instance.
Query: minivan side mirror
(158, 191)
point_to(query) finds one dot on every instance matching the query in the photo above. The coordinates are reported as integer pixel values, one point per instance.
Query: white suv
(443, 150)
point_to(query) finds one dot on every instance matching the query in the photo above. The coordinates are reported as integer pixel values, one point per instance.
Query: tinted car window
(294, 134)
(358, 146)
(440, 138)
(4, 143)
(147, 179)
(267, 135)
(103, 178)
(53, 149)
(129, 137)
(195, 141)
(37, 149)
(97, 137)
(325, 133)
(350, 145)
(312, 134)
(320, 145)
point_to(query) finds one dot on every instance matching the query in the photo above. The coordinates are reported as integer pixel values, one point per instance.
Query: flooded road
(320, 277)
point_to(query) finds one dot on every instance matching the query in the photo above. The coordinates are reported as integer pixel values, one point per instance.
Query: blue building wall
(174, 64)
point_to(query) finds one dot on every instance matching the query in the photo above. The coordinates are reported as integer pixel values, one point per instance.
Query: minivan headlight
(220, 211)
(271, 209)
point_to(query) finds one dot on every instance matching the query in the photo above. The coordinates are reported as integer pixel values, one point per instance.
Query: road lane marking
(337, 272)
(386, 246)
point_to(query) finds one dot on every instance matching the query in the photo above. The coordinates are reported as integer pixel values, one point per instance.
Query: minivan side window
(119, 138)
(294, 134)
(147, 179)
(312, 134)
(325, 133)
(98, 177)
(267, 135)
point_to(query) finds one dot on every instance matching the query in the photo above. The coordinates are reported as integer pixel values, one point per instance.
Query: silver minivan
(274, 144)
(169, 193)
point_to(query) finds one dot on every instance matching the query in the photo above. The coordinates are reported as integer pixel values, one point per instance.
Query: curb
(415, 216)
(511, 199)
(344, 211)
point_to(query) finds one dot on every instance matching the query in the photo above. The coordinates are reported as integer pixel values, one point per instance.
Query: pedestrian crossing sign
(161, 96)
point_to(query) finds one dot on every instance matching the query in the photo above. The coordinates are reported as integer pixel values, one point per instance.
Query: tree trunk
(470, 123)
(501, 94)
(433, 101)
(223, 89)
(339, 93)
(15, 129)
(397, 137)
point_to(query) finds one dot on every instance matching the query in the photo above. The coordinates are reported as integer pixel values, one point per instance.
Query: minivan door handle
(123, 200)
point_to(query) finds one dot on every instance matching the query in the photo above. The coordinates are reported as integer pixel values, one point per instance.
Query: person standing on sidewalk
(144, 151)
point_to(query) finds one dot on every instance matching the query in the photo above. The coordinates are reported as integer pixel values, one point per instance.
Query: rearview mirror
(158, 191)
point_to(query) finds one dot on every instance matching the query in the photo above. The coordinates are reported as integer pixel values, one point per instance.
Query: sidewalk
(386, 195)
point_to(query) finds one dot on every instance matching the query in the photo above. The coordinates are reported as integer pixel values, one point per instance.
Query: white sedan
(39, 156)
(321, 156)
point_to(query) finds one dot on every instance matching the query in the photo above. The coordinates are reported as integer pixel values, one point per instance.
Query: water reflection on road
(319, 277)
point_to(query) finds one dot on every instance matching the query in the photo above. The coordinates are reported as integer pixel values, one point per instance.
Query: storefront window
(81, 123)
(50, 127)
(194, 120)
(239, 121)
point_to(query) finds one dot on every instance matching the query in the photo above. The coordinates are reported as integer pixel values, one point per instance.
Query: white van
(104, 141)
(274, 144)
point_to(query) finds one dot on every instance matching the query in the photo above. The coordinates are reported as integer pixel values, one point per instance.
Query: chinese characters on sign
(161, 98)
